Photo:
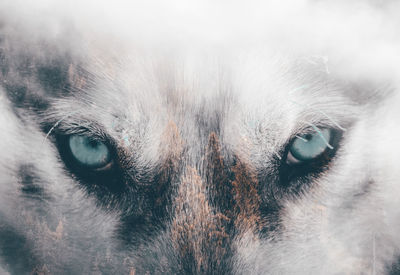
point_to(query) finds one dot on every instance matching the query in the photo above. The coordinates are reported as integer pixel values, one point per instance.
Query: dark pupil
(93, 143)
(308, 136)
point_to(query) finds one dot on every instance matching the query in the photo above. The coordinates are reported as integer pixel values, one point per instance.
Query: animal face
(137, 154)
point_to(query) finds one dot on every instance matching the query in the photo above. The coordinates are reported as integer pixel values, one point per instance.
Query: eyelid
(290, 159)
(94, 132)
(310, 128)
(73, 125)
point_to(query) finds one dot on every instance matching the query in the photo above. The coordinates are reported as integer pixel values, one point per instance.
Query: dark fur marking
(233, 189)
(394, 268)
(359, 196)
(30, 81)
(155, 195)
(198, 231)
(247, 200)
(35, 83)
(29, 180)
(219, 178)
(54, 77)
(208, 216)
(16, 251)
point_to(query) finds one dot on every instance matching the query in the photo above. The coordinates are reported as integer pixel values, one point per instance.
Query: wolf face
(124, 157)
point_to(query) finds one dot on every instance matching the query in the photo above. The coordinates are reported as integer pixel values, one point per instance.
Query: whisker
(303, 139)
(57, 123)
(277, 155)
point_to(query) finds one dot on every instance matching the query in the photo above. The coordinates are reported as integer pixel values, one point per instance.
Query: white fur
(253, 51)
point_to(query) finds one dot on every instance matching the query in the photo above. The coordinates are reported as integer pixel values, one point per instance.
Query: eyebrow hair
(71, 124)
(334, 122)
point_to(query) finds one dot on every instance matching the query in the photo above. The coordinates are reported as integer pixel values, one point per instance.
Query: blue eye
(310, 146)
(89, 152)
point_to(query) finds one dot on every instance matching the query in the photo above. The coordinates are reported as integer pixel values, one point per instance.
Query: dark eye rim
(106, 177)
(290, 171)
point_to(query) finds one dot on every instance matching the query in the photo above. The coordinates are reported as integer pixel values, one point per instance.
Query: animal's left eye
(308, 147)
(89, 152)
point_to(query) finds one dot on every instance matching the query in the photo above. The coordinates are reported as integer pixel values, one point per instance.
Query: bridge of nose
(214, 201)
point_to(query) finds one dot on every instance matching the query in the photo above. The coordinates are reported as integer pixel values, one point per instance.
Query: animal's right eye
(309, 147)
(309, 154)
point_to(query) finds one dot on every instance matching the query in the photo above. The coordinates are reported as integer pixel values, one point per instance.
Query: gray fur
(200, 125)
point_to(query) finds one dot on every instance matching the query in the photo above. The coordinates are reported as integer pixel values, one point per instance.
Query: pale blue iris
(89, 152)
(310, 146)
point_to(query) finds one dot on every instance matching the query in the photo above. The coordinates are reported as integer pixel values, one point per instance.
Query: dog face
(122, 156)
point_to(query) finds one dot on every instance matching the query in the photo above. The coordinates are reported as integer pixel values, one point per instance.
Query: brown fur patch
(197, 231)
(238, 199)
(246, 197)
(172, 150)
(173, 142)
(210, 211)
(219, 184)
